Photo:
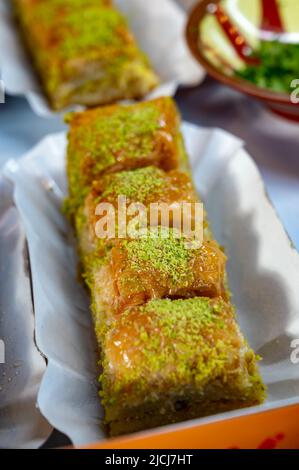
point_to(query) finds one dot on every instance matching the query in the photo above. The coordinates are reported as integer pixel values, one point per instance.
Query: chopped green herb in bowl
(279, 66)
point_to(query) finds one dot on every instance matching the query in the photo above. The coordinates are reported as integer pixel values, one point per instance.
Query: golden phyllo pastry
(146, 186)
(118, 138)
(171, 348)
(173, 360)
(157, 264)
(83, 52)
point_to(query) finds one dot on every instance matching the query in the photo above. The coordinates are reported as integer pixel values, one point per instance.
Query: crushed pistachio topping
(126, 133)
(136, 185)
(161, 249)
(82, 26)
(201, 310)
(179, 342)
(91, 27)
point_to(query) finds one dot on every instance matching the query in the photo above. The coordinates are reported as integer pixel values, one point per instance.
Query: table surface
(272, 142)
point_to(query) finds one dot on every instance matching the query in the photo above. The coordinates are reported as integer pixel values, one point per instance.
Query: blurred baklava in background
(83, 52)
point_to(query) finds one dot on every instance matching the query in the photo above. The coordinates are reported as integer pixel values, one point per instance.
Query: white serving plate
(263, 273)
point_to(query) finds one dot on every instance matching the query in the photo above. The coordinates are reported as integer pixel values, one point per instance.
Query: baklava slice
(83, 52)
(158, 264)
(121, 138)
(174, 360)
(147, 196)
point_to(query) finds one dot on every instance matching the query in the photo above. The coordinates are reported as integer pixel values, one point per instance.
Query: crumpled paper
(21, 366)
(263, 273)
(159, 26)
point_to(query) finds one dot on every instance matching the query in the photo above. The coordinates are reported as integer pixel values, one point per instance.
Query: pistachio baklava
(119, 138)
(173, 360)
(170, 345)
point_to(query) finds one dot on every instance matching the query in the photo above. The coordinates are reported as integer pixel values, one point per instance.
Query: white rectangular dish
(263, 273)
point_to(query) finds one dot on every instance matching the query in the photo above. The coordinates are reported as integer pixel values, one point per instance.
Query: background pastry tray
(159, 27)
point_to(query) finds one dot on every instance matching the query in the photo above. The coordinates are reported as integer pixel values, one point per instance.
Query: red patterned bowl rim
(197, 14)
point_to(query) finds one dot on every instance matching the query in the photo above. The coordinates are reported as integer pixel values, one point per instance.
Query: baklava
(173, 360)
(169, 342)
(158, 264)
(146, 186)
(119, 138)
(83, 52)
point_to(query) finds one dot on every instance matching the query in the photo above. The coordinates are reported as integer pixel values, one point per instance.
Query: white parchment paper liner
(159, 26)
(21, 423)
(263, 273)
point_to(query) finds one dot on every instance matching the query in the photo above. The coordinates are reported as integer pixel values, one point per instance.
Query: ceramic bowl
(222, 35)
